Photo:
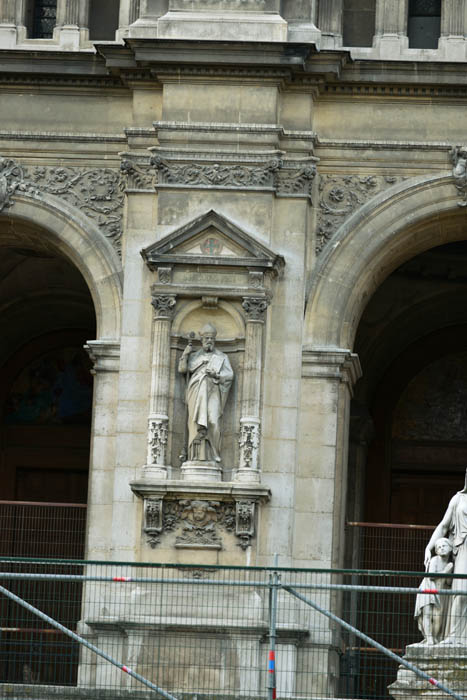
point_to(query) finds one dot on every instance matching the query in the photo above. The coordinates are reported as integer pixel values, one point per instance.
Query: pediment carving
(212, 240)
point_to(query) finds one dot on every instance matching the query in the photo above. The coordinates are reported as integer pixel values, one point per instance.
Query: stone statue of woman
(454, 526)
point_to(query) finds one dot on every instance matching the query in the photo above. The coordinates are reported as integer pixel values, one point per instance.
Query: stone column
(328, 376)
(330, 16)
(164, 307)
(391, 27)
(250, 424)
(148, 12)
(453, 25)
(130, 12)
(7, 24)
(105, 355)
(72, 21)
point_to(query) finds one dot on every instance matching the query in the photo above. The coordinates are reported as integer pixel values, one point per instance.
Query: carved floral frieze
(285, 178)
(341, 195)
(97, 192)
(217, 174)
(199, 523)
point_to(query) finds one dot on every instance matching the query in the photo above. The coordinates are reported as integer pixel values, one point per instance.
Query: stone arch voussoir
(394, 226)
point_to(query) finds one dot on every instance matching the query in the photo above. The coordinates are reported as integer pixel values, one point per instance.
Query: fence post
(274, 583)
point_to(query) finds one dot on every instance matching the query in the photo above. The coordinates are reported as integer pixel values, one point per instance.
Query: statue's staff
(186, 352)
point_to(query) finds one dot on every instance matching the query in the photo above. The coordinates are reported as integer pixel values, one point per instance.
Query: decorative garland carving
(199, 523)
(341, 195)
(216, 174)
(97, 192)
(459, 171)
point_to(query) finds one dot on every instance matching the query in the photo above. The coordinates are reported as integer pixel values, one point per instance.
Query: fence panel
(200, 631)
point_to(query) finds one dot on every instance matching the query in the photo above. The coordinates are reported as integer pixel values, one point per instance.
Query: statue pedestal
(197, 470)
(446, 663)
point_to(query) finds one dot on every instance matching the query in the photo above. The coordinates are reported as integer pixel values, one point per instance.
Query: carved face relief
(208, 342)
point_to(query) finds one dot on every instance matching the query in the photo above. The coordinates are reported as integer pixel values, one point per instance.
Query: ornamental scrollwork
(97, 192)
(459, 171)
(341, 195)
(198, 523)
(296, 182)
(217, 174)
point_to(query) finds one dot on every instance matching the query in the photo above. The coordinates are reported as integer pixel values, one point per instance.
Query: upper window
(103, 19)
(359, 22)
(41, 18)
(424, 25)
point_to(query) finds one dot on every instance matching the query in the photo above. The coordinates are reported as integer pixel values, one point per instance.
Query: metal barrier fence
(201, 631)
(49, 530)
(387, 545)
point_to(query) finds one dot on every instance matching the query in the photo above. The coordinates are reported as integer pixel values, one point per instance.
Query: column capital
(255, 308)
(164, 304)
(331, 363)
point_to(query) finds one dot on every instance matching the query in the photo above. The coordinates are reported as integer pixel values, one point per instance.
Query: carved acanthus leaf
(164, 305)
(341, 195)
(255, 308)
(138, 176)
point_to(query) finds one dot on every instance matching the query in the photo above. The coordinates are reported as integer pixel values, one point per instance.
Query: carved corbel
(245, 522)
(153, 520)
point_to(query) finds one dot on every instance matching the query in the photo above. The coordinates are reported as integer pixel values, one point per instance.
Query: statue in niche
(209, 377)
(454, 526)
(431, 608)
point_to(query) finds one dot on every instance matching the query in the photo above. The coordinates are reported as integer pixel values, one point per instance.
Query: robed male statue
(209, 377)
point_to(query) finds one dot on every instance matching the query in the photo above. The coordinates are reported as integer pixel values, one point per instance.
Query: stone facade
(256, 183)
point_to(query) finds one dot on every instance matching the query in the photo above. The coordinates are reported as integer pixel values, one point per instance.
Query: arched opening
(46, 316)
(410, 407)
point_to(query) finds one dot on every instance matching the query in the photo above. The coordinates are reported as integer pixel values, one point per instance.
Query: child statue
(430, 608)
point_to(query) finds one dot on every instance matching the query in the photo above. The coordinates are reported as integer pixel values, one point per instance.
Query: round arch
(394, 226)
(66, 230)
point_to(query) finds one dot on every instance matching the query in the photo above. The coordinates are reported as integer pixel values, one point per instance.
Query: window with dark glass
(42, 18)
(359, 22)
(103, 19)
(424, 25)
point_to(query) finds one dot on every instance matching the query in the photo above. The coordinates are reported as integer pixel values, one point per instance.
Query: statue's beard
(208, 348)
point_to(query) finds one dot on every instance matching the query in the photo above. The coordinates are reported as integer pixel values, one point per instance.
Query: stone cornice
(331, 363)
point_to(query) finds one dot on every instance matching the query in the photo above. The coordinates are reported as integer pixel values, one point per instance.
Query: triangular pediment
(211, 239)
